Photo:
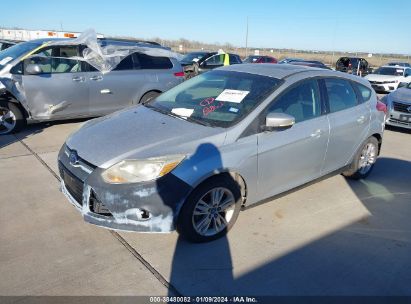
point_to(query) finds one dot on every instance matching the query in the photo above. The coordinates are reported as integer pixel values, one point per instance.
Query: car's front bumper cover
(145, 207)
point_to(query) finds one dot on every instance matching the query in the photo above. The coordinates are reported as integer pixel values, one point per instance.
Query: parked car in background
(260, 59)
(5, 44)
(353, 65)
(309, 63)
(288, 59)
(401, 64)
(192, 157)
(399, 107)
(199, 62)
(388, 78)
(44, 82)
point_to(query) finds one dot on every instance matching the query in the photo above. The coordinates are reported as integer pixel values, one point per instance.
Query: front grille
(73, 184)
(401, 107)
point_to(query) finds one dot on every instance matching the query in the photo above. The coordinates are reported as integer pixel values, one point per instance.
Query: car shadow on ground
(33, 129)
(369, 256)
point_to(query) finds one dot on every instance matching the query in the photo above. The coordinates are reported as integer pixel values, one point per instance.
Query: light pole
(246, 40)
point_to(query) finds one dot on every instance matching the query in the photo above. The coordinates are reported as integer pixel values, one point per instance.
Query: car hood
(378, 77)
(139, 133)
(402, 94)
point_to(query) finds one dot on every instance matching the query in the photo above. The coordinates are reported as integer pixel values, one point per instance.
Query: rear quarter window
(365, 93)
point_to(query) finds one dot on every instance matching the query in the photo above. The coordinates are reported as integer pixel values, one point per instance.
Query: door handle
(78, 78)
(361, 119)
(105, 91)
(316, 134)
(96, 78)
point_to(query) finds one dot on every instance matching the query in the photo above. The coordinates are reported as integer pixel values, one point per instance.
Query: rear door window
(341, 94)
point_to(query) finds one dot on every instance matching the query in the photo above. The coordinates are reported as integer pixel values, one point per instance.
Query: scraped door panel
(58, 92)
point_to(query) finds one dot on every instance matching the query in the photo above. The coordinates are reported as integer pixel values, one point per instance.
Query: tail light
(381, 107)
(179, 74)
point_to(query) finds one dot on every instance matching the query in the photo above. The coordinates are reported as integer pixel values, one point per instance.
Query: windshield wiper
(190, 119)
(198, 121)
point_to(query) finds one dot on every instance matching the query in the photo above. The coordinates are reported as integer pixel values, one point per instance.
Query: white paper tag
(235, 96)
(182, 112)
(6, 60)
(234, 110)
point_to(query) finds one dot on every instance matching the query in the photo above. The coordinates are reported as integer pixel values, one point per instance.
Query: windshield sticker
(6, 60)
(209, 105)
(206, 102)
(235, 96)
(182, 112)
(234, 110)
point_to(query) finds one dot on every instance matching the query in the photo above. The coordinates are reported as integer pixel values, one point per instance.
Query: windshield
(193, 57)
(389, 71)
(15, 51)
(216, 98)
(251, 59)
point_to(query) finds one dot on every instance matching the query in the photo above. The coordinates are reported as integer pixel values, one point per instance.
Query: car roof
(281, 71)
(393, 67)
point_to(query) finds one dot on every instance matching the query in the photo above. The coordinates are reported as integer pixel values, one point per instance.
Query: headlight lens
(135, 171)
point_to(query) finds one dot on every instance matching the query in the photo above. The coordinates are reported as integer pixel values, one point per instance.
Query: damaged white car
(50, 79)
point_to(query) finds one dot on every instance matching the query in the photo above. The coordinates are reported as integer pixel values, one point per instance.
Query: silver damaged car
(45, 81)
(196, 155)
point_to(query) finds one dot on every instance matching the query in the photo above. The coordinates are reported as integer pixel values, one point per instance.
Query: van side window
(125, 64)
(364, 92)
(341, 94)
(154, 62)
(302, 102)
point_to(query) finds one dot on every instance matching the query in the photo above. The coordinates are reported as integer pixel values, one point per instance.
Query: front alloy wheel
(210, 210)
(213, 211)
(7, 120)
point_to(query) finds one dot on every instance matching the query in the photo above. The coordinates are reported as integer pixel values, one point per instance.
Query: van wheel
(11, 118)
(148, 97)
(210, 211)
(364, 160)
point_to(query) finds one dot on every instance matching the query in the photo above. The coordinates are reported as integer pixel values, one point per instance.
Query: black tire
(185, 222)
(356, 171)
(19, 121)
(149, 96)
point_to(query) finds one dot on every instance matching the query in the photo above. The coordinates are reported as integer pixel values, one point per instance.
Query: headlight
(135, 171)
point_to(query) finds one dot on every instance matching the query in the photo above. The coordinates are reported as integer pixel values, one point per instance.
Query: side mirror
(33, 69)
(275, 120)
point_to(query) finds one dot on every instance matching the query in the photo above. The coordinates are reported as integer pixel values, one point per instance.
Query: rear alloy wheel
(364, 160)
(11, 118)
(210, 211)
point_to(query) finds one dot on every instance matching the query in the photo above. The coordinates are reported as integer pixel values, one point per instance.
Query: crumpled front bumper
(144, 207)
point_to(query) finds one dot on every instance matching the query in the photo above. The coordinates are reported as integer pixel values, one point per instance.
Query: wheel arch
(8, 96)
(379, 138)
(147, 92)
(237, 177)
